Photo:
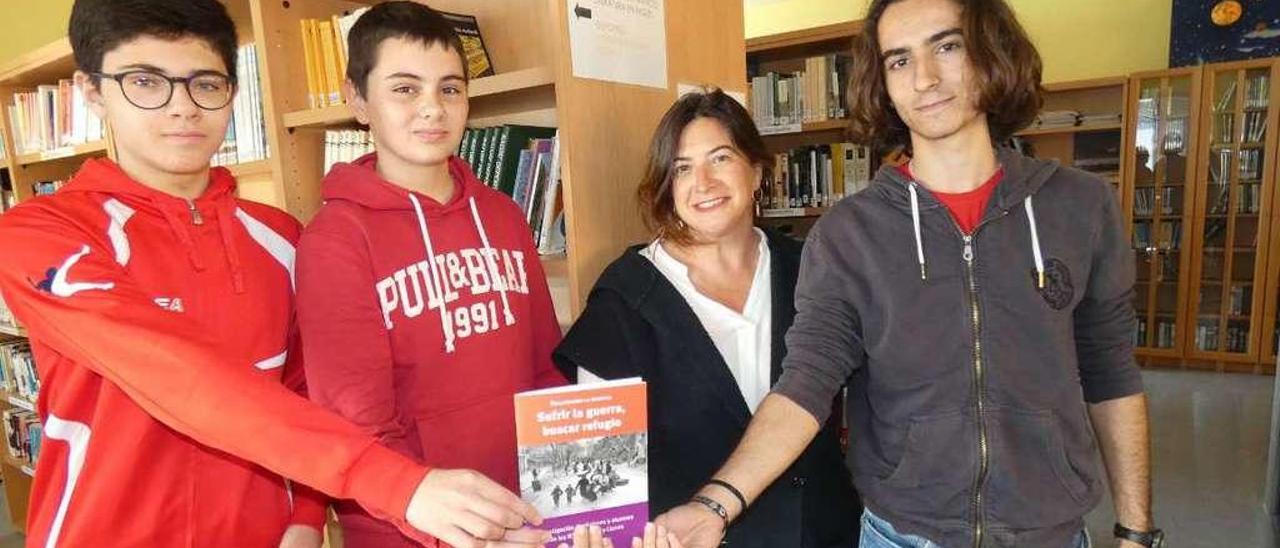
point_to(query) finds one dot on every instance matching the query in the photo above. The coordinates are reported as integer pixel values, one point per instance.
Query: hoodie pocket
(1031, 481)
(935, 475)
(479, 436)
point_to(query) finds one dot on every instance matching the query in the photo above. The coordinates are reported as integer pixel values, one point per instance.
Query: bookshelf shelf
(793, 212)
(19, 402)
(57, 154)
(555, 266)
(13, 330)
(250, 169)
(40, 66)
(804, 38)
(807, 127)
(1070, 129)
(527, 80)
(19, 464)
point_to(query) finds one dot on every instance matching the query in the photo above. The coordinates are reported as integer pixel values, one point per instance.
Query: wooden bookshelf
(785, 53)
(76, 152)
(793, 212)
(800, 43)
(1084, 128)
(1232, 322)
(604, 127)
(521, 81)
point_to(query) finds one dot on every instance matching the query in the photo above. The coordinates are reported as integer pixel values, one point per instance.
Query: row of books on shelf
(520, 161)
(324, 47)
(246, 139)
(24, 435)
(1241, 299)
(1255, 127)
(42, 188)
(345, 145)
(18, 373)
(1257, 93)
(1070, 118)
(52, 117)
(817, 176)
(1207, 337)
(1250, 165)
(810, 95)
(1144, 202)
(1164, 333)
(1167, 237)
(1248, 198)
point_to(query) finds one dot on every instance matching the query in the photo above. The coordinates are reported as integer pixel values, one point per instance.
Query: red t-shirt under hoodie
(420, 320)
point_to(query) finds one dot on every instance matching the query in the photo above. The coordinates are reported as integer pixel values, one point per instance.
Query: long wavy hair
(1006, 66)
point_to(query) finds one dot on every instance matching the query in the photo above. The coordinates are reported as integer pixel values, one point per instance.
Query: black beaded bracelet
(732, 490)
(714, 506)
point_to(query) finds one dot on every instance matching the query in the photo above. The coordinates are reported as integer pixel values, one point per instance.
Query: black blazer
(637, 324)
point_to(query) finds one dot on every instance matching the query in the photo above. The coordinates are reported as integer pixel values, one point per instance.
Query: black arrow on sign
(581, 12)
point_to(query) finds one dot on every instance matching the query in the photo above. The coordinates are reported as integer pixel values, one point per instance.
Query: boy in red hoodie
(160, 312)
(422, 302)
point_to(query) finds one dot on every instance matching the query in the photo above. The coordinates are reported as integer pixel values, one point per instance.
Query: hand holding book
(593, 537)
(465, 508)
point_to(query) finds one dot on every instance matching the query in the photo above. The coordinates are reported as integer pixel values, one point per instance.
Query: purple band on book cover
(620, 524)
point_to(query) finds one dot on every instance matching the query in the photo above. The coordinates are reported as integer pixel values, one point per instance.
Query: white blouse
(744, 340)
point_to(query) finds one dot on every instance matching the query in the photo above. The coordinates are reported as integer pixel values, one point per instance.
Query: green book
(489, 148)
(514, 139)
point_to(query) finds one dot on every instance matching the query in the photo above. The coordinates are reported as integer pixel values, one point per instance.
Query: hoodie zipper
(196, 219)
(978, 383)
(979, 375)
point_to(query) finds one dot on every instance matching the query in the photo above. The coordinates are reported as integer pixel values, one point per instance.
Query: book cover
(328, 48)
(309, 56)
(468, 29)
(583, 455)
(515, 138)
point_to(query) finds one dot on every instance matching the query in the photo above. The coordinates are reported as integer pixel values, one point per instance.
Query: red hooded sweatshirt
(163, 333)
(420, 320)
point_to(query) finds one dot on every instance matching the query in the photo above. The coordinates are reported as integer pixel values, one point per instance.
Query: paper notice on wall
(621, 41)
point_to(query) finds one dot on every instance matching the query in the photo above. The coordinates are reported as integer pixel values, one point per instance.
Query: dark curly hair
(1005, 63)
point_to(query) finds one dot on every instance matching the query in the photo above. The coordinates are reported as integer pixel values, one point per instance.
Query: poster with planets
(1210, 31)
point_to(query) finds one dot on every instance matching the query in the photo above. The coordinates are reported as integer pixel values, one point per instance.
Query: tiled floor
(1209, 437)
(1209, 456)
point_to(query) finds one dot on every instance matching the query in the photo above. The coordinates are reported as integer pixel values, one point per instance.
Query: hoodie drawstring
(1035, 242)
(181, 233)
(229, 245)
(433, 285)
(1031, 223)
(915, 223)
(491, 258)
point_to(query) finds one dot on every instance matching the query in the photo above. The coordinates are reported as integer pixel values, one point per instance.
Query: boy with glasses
(160, 311)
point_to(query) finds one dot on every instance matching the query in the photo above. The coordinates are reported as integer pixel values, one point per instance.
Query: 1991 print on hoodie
(420, 320)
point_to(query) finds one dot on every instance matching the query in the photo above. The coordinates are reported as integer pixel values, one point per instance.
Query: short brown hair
(399, 19)
(1005, 62)
(657, 205)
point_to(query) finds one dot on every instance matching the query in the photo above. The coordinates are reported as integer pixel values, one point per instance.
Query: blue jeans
(878, 533)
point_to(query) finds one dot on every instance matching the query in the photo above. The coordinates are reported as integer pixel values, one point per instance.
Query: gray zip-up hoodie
(969, 359)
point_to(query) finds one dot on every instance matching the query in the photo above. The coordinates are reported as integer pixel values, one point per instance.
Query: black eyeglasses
(151, 90)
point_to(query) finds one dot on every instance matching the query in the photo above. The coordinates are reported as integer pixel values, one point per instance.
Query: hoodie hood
(129, 197)
(358, 182)
(1023, 177)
